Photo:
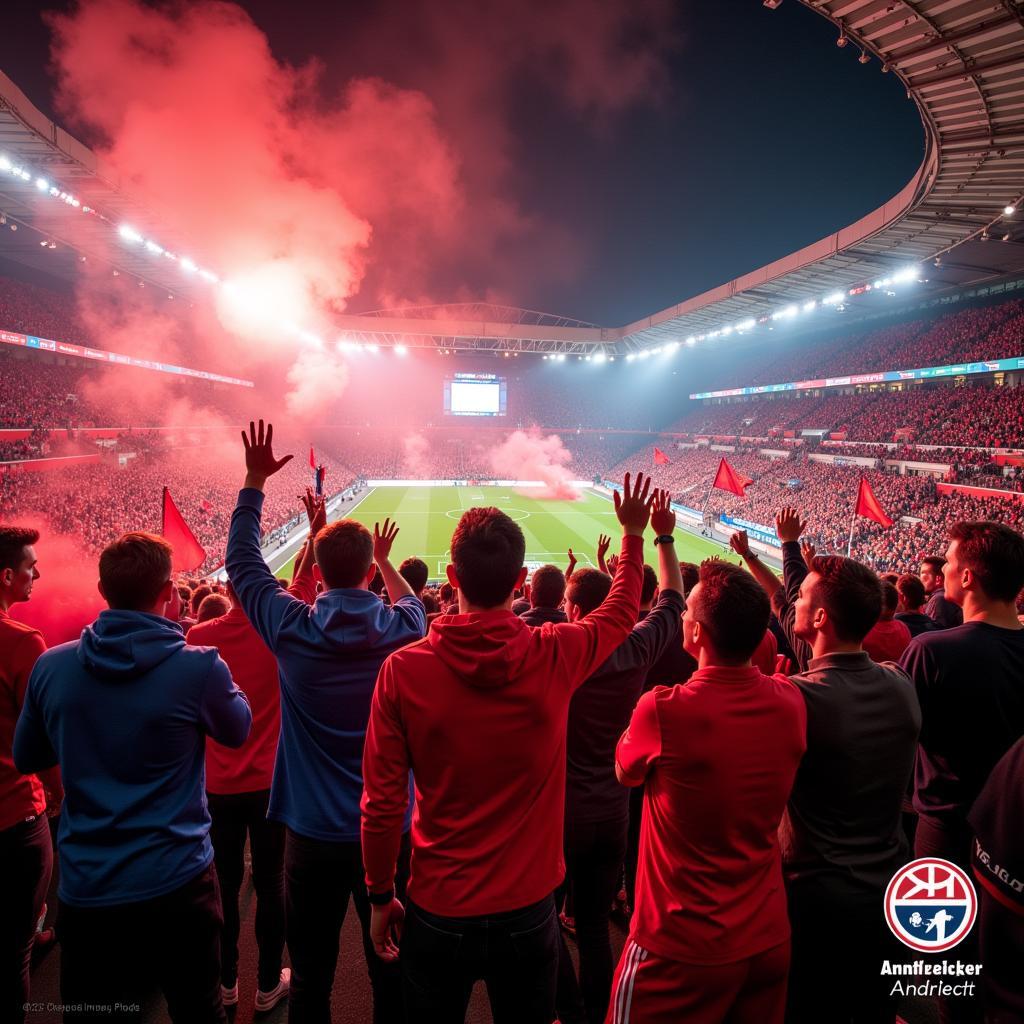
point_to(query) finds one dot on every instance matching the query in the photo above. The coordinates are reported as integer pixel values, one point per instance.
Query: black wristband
(381, 899)
(665, 538)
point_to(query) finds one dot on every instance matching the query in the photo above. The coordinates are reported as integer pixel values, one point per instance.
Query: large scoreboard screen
(475, 394)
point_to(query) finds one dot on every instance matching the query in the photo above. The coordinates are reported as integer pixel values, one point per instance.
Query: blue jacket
(329, 654)
(125, 712)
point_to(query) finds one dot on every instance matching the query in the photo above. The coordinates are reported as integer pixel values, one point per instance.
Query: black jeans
(111, 956)
(26, 861)
(319, 879)
(235, 816)
(594, 852)
(514, 953)
(834, 926)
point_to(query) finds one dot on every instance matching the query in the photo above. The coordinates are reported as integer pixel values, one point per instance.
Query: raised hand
(789, 525)
(663, 517)
(316, 511)
(633, 507)
(740, 543)
(259, 455)
(603, 543)
(808, 550)
(383, 538)
(613, 563)
(572, 564)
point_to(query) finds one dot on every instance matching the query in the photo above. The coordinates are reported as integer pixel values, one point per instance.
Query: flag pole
(849, 543)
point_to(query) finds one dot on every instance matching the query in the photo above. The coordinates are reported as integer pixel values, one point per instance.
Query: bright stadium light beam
(128, 233)
(400, 350)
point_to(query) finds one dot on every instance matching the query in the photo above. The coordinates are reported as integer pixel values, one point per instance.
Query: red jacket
(887, 641)
(250, 767)
(21, 796)
(477, 711)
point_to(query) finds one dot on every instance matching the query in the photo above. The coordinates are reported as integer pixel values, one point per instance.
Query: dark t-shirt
(943, 611)
(538, 615)
(917, 622)
(970, 682)
(675, 665)
(600, 710)
(843, 820)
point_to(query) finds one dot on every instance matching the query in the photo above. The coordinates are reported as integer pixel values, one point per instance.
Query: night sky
(766, 138)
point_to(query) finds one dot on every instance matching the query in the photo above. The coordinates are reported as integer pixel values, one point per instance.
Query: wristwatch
(664, 538)
(381, 899)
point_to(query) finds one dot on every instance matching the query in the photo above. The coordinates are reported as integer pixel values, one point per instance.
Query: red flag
(312, 459)
(869, 506)
(206, 506)
(188, 553)
(727, 479)
(660, 458)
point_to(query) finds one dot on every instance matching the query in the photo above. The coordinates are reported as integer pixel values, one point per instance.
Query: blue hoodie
(125, 711)
(329, 654)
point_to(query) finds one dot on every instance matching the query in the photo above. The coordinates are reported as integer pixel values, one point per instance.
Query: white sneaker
(229, 996)
(266, 1001)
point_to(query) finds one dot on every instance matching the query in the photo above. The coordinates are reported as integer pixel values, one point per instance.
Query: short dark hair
(911, 589)
(649, 585)
(889, 577)
(200, 594)
(890, 597)
(691, 575)
(488, 549)
(446, 593)
(213, 607)
(850, 593)
(995, 554)
(587, 588)
(547, 587)
(732, 608)
(934, 562)
(344, 552)
(13, 541)
(134, 569)
(415, 572)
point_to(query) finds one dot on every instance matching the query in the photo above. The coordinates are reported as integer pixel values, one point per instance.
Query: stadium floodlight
(128, 233)
(5, 164)
(744, 325)
(643, 354)
(187, 265)
(561, 357)
(1009, 211)
(906, 274)
(630, 357)
(691, 341)
(42, 184)
(671, 347)
(726, 331)
(154, 248)
(656, 351)
(810, 307)
(373, 348)
(835, 299)
(600, 357)
(400, 350)
(209, 275)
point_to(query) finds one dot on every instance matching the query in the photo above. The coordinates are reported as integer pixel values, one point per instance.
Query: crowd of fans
(769, 728)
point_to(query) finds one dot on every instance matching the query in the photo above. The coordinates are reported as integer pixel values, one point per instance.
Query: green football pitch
(426, 517)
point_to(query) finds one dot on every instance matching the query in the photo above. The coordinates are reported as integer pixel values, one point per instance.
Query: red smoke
(529, 455)
(64, 598)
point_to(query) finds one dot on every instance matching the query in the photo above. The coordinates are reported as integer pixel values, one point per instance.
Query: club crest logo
(930, 905)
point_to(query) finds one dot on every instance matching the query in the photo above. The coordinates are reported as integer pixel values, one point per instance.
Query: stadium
(233, 248)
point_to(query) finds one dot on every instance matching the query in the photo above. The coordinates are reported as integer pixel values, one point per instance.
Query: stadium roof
(962, 62)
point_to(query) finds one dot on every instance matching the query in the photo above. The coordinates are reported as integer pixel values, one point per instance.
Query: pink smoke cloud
(529, 455)
(414, 450)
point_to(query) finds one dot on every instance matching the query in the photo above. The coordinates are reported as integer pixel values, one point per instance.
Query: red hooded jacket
(477, 711)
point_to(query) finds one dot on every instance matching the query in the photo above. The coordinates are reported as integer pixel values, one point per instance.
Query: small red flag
(869, 506)
(312, 459)
(727, 479)
(188, 553)
(206, 506)
(660, 458)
